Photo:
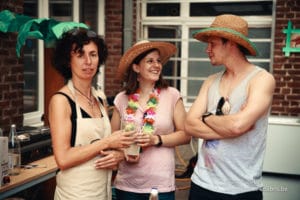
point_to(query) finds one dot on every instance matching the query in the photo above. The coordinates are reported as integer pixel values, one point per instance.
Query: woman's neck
(83, 86)
(146, 89)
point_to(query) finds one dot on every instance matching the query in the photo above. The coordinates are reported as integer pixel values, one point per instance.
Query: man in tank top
(230, 114)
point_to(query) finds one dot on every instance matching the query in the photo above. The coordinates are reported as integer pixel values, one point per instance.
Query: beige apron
(84, 181)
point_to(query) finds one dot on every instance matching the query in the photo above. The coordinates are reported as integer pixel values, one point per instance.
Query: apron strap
(94, 93)
(71, 88)
(100, 103)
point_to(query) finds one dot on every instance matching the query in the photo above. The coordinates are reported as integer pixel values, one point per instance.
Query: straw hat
(231, 27)
(166, 50)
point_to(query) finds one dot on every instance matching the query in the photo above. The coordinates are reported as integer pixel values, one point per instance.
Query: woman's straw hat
(231, 27)
(166, 50)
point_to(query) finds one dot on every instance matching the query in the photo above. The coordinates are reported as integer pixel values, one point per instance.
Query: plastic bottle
(154, 194)
(14, 152)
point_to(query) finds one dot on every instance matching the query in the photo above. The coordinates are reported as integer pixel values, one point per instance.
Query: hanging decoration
(27, 27)
(292, 43)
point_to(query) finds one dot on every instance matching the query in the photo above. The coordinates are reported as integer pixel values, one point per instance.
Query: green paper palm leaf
(48, 30)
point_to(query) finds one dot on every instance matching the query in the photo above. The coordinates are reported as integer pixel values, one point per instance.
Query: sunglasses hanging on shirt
(223, 107)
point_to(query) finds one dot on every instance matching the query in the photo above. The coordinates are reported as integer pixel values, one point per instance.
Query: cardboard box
(3, 158)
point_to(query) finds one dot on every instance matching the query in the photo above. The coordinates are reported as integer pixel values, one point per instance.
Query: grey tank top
(234, 165)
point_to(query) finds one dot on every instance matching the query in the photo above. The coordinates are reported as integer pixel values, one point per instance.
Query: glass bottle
(154, 194)
(14, 152)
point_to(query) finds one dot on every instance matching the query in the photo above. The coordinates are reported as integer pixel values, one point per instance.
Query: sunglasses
(223, 107)
(219, 106)
(77, 31)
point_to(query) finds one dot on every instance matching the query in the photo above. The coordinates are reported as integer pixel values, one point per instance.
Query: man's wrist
(205, 115)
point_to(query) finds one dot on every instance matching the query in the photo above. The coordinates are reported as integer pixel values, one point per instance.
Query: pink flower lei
(150, 112)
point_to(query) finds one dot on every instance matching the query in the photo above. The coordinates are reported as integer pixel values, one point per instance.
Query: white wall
(281, 187)
(283, 145)
(282, 161)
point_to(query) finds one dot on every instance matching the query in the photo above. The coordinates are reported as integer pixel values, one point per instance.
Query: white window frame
(186, 22)
(35, 118)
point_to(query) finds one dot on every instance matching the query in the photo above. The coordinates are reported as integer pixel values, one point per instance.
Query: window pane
(193, 89)
(263, 49)
(31, 74)
(61, 10)
(89, 13)
(163, 9)
(164, 32)
(197, 49)
(171, 70)
(237, 8)
(30, 8)
(265, 65)
(259, 33)
(202, 69)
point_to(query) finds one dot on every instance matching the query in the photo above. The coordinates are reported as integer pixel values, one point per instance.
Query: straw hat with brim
(231, 27)
(166, 50)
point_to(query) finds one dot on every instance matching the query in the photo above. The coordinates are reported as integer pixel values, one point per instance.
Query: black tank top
(74, 115)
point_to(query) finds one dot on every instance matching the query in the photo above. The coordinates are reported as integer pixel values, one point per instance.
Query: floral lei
(149, 114)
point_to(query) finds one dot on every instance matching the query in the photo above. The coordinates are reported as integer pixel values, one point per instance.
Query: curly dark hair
(131, 79)
(65, 45)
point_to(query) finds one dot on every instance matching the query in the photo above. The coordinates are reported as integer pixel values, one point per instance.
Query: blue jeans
(124, 195)
(199, 193)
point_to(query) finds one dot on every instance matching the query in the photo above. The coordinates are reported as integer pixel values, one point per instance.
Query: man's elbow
(188, 128)
(238, 129)
(187, 138)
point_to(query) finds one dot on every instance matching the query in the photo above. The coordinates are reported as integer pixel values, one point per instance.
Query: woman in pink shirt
(157, 112)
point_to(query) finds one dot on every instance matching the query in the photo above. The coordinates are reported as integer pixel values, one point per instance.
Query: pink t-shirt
(156, 167)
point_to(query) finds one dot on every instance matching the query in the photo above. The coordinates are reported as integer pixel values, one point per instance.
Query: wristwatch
(207, 114)
(159, 141)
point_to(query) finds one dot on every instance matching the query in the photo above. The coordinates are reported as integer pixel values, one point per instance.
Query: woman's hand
(145, 140)
(121, 139)
(109, 159)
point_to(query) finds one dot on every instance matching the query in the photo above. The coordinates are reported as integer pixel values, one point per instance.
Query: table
(46, 169)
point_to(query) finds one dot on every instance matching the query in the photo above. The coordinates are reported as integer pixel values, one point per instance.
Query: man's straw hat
(231, 27)
(166, 50)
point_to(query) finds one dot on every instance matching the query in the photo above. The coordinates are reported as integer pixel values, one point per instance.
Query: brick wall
(11, 74)
(286, 70)
(114, 41)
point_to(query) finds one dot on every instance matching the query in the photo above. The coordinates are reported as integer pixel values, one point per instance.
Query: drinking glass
(133, 149)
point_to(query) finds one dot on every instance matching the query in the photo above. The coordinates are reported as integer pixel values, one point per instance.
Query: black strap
(73, 117)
